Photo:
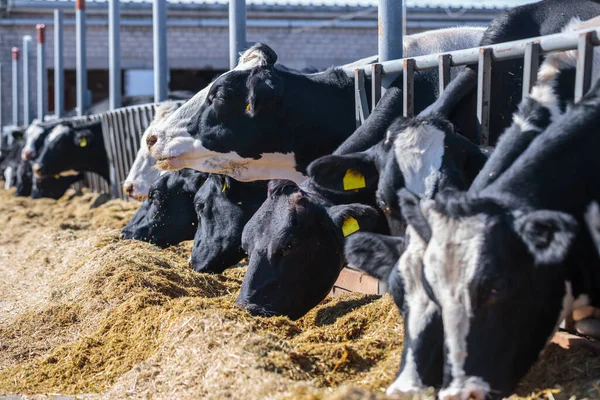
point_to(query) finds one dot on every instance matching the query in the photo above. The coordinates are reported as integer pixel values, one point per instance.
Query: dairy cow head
(295, 248)
(167, 216)
(496, 273)
(223, 207)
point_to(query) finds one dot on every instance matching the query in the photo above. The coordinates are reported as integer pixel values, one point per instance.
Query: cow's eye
(287, 248)
(495, 292)
(199, 208)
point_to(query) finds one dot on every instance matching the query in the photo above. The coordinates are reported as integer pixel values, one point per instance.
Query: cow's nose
(151, 140)
(128, 189)
(27, 155)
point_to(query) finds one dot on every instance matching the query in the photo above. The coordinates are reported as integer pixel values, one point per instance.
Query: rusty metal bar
(484, 81)
(408, 88)
(531, 65)
(42, 87)
(444, 62)
(375, 85)
(360, 98)
(585, 58)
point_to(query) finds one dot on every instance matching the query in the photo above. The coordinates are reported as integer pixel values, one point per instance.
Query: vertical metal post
(26, 80)
(114, 54)
(237, 30)
(42, 87)
(531, 64)
(483, 94)
(1, 103)
(80, 56)
(59, 90)
(159, 19)
(375, 85)
(15, 86)
(408, 88)
(390, 33)
(360, 99)
(585, 58)
(444, 71)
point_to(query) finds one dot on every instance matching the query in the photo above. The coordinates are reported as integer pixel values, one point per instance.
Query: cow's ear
(350, 172)
(265, 89)
(195, 182)
(414, 212)
(259, 55)
(351, 218)
(548, 235)
(83, 138)
(592, 220)
(372, 253)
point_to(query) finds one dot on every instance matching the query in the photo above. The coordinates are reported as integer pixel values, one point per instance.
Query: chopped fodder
(91, 315)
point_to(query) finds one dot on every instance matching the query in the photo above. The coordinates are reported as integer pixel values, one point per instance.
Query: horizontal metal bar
(499, 52)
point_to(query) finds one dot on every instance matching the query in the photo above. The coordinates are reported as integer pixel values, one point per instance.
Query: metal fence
(530, 49)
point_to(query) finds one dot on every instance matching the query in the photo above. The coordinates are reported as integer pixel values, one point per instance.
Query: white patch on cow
(420, 306)
(524, 123)
(437, 41)
(8, 174)
(450, 264)
(142, 173)
(56, 133)
(268, 166)
(409, 379)
(32, 133)
(473, 387)
(419, 152)
(581, 301)
(566, 309)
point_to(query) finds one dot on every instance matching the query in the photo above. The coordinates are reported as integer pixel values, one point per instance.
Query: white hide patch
(8, 174)
(56, 133)
(32, 133)
(450, 264)
(472, 388)
(419, 152)
(420, 306)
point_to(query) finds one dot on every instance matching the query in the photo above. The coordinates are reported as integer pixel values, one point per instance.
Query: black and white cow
(11, 156)
(262, 122)
(71, 150)
(167, 216)
(223, 206)
(35, 135)
(507, 263)
(295, 244)
(530, 20)
(143, 173)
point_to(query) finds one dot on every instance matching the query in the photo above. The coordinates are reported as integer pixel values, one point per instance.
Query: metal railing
(530, 49)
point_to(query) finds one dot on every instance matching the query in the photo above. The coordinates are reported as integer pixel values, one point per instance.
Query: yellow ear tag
(56, 176)
(350, 226)
(224, 187)
(248, 107)
(354, 180)
(83, 142)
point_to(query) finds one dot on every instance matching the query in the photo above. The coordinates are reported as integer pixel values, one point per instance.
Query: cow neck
(318, 110)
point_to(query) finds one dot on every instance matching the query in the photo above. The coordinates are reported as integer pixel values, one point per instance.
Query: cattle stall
(530, 49)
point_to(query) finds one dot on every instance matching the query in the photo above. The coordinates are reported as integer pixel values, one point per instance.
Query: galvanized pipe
(500, 52)
(389, 14)
(26, 80)
(114, 54)
(237, 30)
(80, 56)
(15, 86)
(42, 87)
(161, 71)
(59, 90)
(1, 102)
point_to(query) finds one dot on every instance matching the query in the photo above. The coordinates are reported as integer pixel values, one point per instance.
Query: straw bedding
(84, 313)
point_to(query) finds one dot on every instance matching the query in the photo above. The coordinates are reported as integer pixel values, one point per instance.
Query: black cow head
(69, 150)
(497, 275)
(223, 206)
(295, 248)
(167, 216)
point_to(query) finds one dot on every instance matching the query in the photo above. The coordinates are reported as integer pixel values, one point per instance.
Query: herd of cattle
(485, 250)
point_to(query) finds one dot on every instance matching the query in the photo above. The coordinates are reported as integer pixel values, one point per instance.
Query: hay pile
(87, 313)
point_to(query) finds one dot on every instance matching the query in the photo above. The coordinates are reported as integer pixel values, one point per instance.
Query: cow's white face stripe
(419, 151)
(32, 133)
(450, 261)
